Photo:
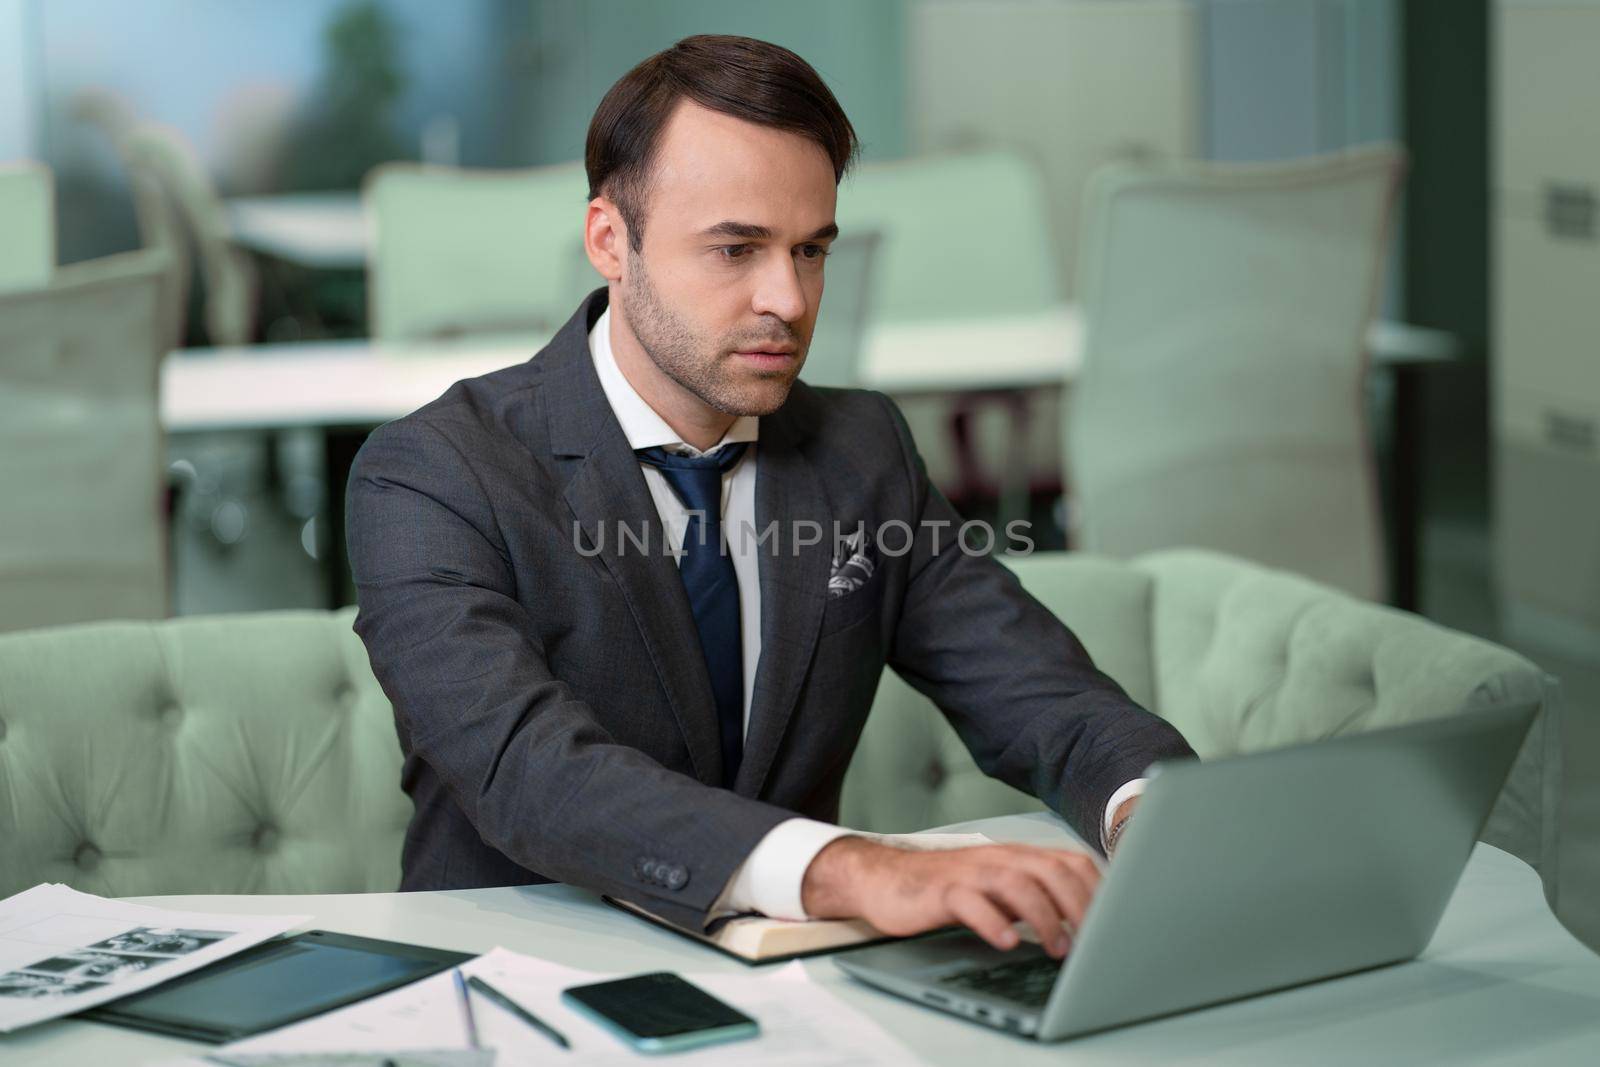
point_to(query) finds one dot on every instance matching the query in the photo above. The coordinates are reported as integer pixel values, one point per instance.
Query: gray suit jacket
(552, 703)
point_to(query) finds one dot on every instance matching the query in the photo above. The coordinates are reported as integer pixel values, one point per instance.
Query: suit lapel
(605, 490)
(794, 584)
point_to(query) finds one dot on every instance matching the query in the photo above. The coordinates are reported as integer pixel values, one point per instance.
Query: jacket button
(677, 878)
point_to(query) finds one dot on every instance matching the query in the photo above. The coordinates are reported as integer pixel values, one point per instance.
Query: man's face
(737, 220)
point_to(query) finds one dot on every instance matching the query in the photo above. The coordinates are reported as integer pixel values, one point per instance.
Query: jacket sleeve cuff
(770, 878)
(1124, 792)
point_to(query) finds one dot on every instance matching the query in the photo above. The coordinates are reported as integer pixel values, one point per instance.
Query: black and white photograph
(161, 941)
(19, 985)
(88, 965)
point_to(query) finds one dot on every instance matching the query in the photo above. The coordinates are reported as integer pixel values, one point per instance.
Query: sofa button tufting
(265, 839)
(345, 693)
(171, 715)
(934, 775)
(87, 858)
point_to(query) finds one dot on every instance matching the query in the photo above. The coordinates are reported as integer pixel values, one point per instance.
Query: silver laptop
(1239, 876)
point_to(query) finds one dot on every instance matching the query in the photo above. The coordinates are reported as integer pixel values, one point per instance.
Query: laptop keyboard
(1025, 981)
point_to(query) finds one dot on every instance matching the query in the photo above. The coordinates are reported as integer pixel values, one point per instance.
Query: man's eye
(814, 252)
(732, 251)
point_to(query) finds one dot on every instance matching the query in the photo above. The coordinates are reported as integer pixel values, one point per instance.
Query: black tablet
(273, 984)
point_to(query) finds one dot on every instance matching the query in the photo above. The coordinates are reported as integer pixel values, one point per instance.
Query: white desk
(1501, 982)
(326, 383)
(320, 230)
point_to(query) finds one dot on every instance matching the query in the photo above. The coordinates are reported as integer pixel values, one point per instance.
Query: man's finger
(1066, 885)
(1080, 862)
(1019, 892)
(974, 911)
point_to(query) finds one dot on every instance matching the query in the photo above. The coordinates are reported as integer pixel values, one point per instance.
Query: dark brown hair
(739, 76)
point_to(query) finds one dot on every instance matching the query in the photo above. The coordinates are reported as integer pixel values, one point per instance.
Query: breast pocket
(854, 606)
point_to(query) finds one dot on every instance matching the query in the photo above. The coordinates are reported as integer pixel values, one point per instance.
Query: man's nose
(778, 290)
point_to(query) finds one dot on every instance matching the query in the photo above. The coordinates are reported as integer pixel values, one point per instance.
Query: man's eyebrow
(750, 231)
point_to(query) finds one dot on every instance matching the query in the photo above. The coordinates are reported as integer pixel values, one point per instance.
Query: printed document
(62, 951)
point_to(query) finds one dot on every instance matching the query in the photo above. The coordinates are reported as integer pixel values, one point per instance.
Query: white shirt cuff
(1124, 792)
(769, 879)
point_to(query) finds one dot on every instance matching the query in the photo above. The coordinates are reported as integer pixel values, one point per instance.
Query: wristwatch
(1116, 832)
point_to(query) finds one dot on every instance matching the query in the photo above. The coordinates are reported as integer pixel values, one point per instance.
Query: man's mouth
(768, 357)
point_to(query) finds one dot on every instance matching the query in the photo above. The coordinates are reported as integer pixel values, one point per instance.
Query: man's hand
(986, 888)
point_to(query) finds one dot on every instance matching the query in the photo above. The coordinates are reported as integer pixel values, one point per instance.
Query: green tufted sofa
(256, 753)
(1240, 658)
(229, 754)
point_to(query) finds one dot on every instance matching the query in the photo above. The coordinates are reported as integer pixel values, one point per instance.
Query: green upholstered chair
(1240, 658)
(81, 481)
(180, 212)
(965, 235)
(27, 225)
(947, 251)
(838, 341)
(1224, 311)
(246, 753)
(473, 251)
(256, 753)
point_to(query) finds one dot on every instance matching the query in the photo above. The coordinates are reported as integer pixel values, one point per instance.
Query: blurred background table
(324, 231)
(331, 383)
(329, 230)
(347, 387)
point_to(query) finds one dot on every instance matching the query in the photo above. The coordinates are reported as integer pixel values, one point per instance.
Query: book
(759, 939)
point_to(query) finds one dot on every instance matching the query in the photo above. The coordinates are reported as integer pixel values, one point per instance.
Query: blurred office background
(1385, 382)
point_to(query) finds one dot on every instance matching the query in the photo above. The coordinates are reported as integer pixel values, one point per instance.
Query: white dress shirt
(769, 880)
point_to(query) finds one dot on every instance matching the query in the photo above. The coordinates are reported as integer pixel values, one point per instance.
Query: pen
(519, 1011)
(466, 1008)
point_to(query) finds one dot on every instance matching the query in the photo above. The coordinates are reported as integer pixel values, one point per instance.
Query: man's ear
(605, 238)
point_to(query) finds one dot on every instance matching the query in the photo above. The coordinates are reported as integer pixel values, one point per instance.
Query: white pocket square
(853, 564)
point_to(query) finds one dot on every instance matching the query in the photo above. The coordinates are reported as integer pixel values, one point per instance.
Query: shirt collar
(640, 423)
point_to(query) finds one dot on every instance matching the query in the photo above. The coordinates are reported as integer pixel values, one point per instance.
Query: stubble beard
(678, 352)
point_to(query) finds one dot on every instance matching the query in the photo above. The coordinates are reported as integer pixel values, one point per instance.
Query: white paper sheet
(62, 951)
(802, 1024)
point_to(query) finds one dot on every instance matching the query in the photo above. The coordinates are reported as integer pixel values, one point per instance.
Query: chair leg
(1016, 481)
(339, 455)
(1013, 488)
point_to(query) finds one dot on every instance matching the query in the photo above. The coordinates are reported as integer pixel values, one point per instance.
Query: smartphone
(660, 1012)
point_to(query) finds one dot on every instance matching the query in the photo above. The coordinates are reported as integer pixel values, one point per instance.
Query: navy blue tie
(713, 586)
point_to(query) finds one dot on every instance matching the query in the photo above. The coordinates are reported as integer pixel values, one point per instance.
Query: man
(596, 680)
